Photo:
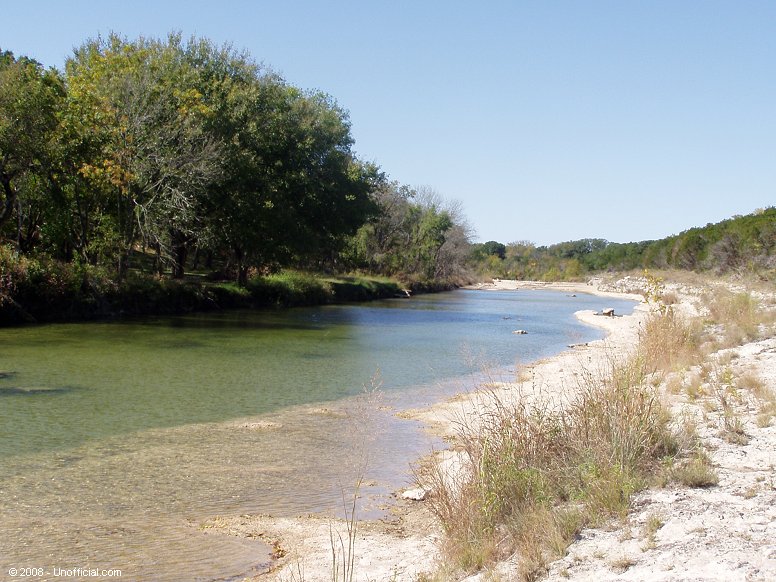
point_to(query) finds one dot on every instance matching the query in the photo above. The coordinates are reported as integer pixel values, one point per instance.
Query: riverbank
(30, 293)
(667, 530)
(405, 545)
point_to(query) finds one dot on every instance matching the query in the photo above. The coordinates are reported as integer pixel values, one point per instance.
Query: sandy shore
(721, 533)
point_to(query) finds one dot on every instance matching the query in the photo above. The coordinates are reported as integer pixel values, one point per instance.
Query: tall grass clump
(669, 342)
(740, 313)
(534, 474)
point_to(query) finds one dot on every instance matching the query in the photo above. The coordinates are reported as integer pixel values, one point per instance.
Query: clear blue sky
(549, 120)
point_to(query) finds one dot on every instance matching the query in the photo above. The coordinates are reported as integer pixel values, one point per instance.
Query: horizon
(756, 211)
(548, 122)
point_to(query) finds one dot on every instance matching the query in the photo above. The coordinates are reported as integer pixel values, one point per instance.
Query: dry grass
(535, 472)
(697, 471)
(675, 384)
(743, 317)
(538, 473)
(620, 565)
(669, 298)
(670, 342)
(751, 382)
(765, 397)
(694, 387)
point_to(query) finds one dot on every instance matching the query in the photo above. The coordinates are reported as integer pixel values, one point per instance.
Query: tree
(154, 154)
(494, 248)
(416, 234)
(294, 191)
(29, 99)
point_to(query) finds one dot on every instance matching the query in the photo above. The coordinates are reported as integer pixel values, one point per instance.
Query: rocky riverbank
(722, 532)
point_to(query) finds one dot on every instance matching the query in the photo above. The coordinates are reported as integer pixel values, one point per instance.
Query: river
(117, 439)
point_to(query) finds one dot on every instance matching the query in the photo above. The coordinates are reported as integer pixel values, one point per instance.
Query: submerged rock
(261, 425)
(33, 390)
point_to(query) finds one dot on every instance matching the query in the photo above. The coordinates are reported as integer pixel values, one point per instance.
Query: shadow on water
(301, 319)
(34, 390)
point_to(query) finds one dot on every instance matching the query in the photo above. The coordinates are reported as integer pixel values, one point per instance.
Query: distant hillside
(739, 244)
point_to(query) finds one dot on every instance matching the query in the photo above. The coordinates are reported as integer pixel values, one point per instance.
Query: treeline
(740, 244)
(164, 156)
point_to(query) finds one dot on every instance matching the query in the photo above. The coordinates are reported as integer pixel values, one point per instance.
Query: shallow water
(118, 439)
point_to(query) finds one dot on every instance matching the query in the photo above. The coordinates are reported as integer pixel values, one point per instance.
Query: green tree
(494, 248)
(293, 190)
(29, 99)
(154, 154)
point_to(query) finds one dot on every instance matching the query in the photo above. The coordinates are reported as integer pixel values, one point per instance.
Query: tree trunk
(10, 198)
(242, 268)
(179, 252)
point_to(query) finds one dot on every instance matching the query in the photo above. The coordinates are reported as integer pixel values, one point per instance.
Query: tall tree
(155, 156)
(293, 188)
(29, 99)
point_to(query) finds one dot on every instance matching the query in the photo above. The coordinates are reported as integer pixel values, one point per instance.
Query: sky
(546, 120)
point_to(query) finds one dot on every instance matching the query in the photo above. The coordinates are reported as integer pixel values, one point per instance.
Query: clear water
(117, 439)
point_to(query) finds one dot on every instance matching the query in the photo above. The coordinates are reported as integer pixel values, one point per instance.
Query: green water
(117, 439)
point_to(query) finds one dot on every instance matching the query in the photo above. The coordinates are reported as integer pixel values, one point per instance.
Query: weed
(697, 471)
(694, 388)
(654, 522)
(669, 342)
(739, 313)
(751, 382)
(620, 565)
(538, 473)
(733, 429)
(674, 384)
(766, 414)
(343, 553)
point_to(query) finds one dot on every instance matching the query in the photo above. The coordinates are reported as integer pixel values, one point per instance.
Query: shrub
(739, 313)
(290, 288)
(539, 472)
(697, 471)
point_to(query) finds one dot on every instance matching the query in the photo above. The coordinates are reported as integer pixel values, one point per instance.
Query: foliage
(153, 156)
(178, 148)
(42, 289)
(740, 244)
(415, 237)
(29, 100)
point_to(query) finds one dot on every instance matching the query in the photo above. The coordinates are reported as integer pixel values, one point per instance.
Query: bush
(362, 288)
(290, 288)
(538, 472)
